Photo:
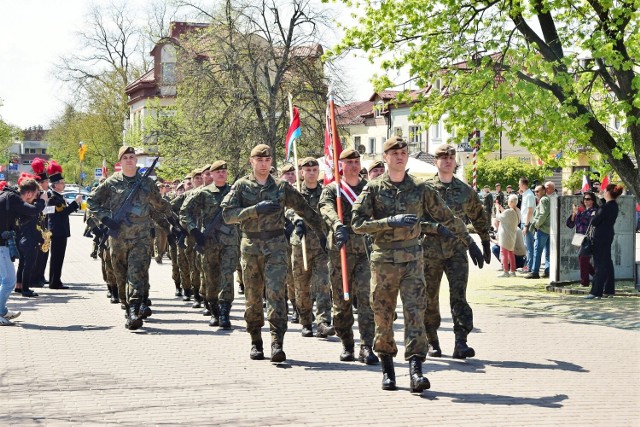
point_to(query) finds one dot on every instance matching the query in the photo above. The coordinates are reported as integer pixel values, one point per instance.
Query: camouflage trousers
(456, 268)
(218, 264)
(311, 284)
(194, 271)
(160, 243)
(130, 259)
(183, 268)
(389, 279)
(107, 269)
(264, 272)
(175, 265)
(359, 276)
(291, 290)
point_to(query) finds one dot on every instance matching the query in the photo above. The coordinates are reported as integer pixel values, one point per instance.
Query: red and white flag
(604, 183)
(105, 171)
(329, 155)
(586, 185)
(347, 192)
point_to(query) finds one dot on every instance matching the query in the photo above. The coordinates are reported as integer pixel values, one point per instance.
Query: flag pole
(335, 140)
(295, 166)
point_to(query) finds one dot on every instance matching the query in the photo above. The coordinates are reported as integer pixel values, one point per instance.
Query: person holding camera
(14, 204)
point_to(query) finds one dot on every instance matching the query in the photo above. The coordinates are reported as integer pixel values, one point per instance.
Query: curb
(561, 287)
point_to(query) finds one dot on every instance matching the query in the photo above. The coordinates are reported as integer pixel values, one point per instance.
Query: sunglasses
(588, 199)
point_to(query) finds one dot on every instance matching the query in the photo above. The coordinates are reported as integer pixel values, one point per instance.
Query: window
(378, 109)
(397, 131)
(372, 146)
(169, 73)
(29, 151)
(415, 134)
(436, 131)
(44, 151)
(26, 162)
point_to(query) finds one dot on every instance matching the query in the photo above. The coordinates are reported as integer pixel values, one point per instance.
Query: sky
(35, 33)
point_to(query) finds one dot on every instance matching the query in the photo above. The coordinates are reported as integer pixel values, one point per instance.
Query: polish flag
(604, 183)
(586, 185)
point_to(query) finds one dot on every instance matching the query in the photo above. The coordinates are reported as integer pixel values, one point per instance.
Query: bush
(505, 171)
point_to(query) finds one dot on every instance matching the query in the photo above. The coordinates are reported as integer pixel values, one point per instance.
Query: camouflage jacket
(381, 198)
(238, 206)
(108, 197)
(464, 202)
(312, 197)
(201, 206)
(329, 212)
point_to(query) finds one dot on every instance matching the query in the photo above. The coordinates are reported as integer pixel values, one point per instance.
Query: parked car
(70, 196)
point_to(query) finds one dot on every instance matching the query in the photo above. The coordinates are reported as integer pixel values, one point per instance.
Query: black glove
(301, 229)
(323, 242)
(403, 220)
(97, 231)
(115, 226)
(445, 232)
(341, 236)
(288, 228)
(486, 251)
(198, 236)
(476, 255)
(267, 207)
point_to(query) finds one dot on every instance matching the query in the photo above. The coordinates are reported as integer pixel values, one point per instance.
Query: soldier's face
(197, 181)
(219, 177)
(446, 163)
(188, 185)
(290, 177)
(375, 172)
(397, 159)
(261, 166)
(310, 174)
(208, 178)
(128, 162)
(351, 168)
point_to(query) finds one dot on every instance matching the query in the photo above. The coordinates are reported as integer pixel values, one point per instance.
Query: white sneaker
(5, 322)
(513, 274)
(503, 274)
(12, 314)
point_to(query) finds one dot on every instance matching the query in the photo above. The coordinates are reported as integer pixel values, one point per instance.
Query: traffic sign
(117, 167)
(142, 170)
(97, 173)
(2, 176)
(13, 166)
(83, 175)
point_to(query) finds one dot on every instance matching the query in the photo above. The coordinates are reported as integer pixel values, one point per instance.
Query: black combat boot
(241, 288)
(418, 382)
(295, 316)
(277, 353)
(114, 294)
(148, 301)
(347, 354)
(462, 350)
(257, 352)
(145, 310)
(215, 314)
(178, 289)
(434, 349)
(134, 321)
(388, 373)
(367, 355)
(307, 331)
(206, 311)
(197, 300)
(109, 291)
(225, 309)
(324, 330)
(187, 295)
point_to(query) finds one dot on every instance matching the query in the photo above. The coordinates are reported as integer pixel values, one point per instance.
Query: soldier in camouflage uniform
(173, 247)
(388, 209)
(257, 203)
(183, 262)
(442, 254)
(195, 263)
(161, 239)
(201, 213)
(288, 174)
(359, 274)
(130, 250)
(315, 279)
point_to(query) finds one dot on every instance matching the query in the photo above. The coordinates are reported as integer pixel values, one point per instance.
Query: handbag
(577, 239)
(586, 248)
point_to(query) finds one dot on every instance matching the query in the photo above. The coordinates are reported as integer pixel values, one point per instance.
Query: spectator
(541, 223)
(487, 201)
(580, 218)
(527, 205)
(507, 234)
(15, 204)
(604, 279)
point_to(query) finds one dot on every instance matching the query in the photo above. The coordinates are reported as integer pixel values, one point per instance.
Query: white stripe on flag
(348, 192)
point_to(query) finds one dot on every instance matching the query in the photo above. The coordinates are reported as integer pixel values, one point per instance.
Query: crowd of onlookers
(521, 230)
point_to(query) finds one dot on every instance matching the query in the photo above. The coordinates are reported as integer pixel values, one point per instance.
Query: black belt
(264, 235)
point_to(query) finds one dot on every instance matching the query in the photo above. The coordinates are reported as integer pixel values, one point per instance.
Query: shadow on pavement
(332, 366)
(497, 399)
(71, 328)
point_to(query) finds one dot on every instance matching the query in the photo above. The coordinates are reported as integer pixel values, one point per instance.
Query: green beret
(308, 161)
(349, 153)
(393, 143)
(219, 165)
(445, 150)
(261, 150)
(125, 150)
(288, 167)
(375, 164)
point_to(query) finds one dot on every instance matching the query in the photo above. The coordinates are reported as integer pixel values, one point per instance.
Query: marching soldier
(202, 215)
(314, 280)
(181, 258)
(195, 265)
(443, 254)
(341, 234)
(130, 249)
(388, 209)
(257, 203)
(288, 174)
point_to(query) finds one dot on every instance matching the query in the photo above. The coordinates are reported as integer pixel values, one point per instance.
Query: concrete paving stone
(543, 359)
